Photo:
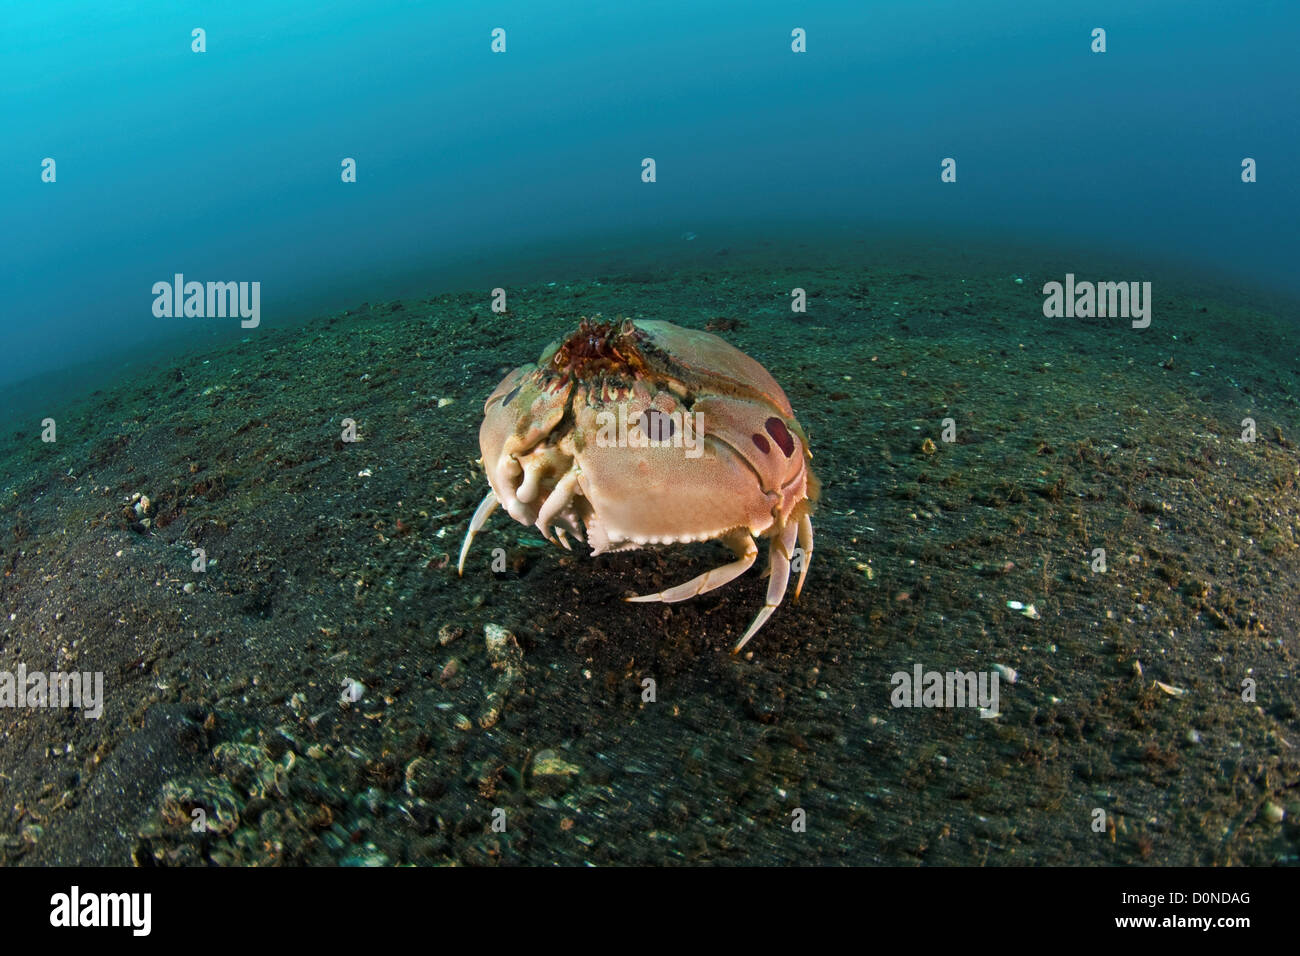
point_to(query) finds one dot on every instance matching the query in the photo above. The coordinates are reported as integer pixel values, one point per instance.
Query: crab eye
(781, 435)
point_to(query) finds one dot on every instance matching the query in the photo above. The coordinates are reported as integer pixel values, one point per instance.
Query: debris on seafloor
(507, 657)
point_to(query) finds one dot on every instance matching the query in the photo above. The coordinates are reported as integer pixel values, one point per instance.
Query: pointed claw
(759, 621)
(778, 559)
(485, 509)
(806, 543)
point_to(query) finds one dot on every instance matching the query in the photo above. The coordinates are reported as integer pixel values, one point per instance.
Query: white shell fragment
(1028, 610)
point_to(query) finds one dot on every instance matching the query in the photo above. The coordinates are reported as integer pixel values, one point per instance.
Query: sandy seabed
(325, 693)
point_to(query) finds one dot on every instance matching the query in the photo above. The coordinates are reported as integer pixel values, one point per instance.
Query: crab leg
(740, 543)
(485, 509)
(559, 499)
(806, 543)
(778, 557)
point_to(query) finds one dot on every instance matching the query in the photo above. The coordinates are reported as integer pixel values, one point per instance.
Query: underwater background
(326, 689)
(226, 164)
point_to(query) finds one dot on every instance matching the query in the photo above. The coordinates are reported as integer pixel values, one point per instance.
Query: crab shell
(639, 433)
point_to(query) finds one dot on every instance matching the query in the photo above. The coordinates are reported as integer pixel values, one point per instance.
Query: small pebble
(500, 642)
(551, 773)
(1027, 610)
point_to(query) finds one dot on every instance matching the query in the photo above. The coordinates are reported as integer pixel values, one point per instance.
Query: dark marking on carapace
(781, 435)
(657, 426)
(761, 443)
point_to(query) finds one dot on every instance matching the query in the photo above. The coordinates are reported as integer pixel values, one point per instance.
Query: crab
(634, 433)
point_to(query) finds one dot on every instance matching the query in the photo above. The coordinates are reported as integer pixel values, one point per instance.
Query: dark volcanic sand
(334, 562)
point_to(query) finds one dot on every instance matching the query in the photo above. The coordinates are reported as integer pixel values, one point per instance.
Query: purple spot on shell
(781, 435)
(511, 397)
(657, 426)
(761, 443)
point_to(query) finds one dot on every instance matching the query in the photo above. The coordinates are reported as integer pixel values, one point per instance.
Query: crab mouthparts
(599, 348)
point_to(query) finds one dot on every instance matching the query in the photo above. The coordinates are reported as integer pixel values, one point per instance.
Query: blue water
(225, 165)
